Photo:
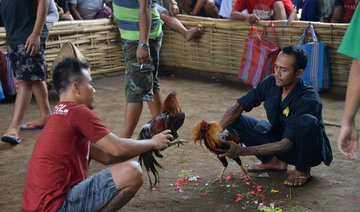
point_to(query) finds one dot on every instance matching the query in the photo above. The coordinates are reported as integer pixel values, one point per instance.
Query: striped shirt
(126, 14)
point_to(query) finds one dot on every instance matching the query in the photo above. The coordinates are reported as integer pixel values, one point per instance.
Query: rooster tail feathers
(150, 163)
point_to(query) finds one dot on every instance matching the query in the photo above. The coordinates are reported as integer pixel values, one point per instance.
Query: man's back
(61, 156)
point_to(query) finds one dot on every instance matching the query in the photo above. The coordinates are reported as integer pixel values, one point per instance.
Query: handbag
(6, 75)
(259, 57)
(317, 71)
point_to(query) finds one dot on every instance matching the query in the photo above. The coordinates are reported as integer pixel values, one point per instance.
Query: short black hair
(66, 72)
(300, 55)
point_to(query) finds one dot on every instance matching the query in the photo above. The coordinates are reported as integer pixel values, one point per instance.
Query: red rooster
(211, 134)
(171, 118)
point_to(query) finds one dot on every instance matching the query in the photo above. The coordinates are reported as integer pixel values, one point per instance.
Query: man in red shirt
(263, 10)
(344, 11)
(57, 174)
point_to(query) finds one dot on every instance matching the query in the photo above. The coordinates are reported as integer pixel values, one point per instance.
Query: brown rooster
(211, 134)
(171, 118)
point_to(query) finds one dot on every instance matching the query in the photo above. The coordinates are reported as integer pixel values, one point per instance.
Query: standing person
(141, 35)
(26, 35)
(57, 174)
(294, 133)
(349, 135)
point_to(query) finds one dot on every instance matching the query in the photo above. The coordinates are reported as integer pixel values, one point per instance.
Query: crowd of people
(57, 174)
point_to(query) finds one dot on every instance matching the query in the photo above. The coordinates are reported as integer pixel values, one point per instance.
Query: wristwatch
(144, 46)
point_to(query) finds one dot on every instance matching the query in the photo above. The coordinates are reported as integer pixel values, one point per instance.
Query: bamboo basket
(219, 49)
(221, 46)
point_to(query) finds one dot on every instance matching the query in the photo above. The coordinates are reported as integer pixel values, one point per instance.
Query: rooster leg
(246, 177)
(220, 176)
(244, 173)
(177, 141)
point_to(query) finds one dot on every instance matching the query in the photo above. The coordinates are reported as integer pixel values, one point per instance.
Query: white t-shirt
(52, 15)
(225, 8)
(89, 8)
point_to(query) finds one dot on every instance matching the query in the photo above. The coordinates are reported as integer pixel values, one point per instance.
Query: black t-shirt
(283, 115)
(19, 18)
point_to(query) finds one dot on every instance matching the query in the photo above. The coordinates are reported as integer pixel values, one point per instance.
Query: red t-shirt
(349, 9)
(60, 157)
(261, 8)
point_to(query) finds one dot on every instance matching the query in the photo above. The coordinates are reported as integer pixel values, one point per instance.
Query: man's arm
(74, 11)
(265, 149)
(32, 44)
(112, 149)
(143, 54)
(337, 15)
(231, 115)
(250, 18)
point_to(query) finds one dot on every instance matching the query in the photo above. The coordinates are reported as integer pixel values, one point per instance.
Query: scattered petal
(274, 191)
(228, 177)
(153, 189)
(203, 194)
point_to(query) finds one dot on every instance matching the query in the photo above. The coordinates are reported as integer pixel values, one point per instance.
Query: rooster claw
(178, 142)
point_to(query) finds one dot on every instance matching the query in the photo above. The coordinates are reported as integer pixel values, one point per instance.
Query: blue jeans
(92, 194)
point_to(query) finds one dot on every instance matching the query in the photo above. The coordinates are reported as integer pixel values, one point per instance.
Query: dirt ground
(202, 96)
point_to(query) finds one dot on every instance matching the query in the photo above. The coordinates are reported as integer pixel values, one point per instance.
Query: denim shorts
(26, 67)
(92, 194)
(141, 80)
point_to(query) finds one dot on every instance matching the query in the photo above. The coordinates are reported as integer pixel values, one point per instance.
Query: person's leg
(128, 179)
(253, 132)
(211, 9)
(155, 106)
(307, 150)
(40, 92)
(22, 100)
(107, 190)
(175, 25)
(34, 68)
(137, 86)
(186, 5)
(279, 11)
(132, 116)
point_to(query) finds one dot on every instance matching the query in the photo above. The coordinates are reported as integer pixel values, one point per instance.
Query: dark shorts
(141, 80)
(92, 194)
(27, 68)
(202, 11)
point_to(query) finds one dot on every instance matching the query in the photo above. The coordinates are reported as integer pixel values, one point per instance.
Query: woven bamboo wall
(221, 46)
(98, 41)
(219, 49)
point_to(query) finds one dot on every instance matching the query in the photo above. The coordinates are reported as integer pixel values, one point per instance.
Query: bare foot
(273, 165)
(13, 132)
(194, 32)
(297, 178)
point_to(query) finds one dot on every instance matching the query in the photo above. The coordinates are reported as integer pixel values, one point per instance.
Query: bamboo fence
(221, 46)
(218, 50)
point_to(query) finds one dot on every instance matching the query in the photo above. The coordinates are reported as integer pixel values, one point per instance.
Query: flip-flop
(303, 179)
(255, 168)
(11, 139)
(33, 125)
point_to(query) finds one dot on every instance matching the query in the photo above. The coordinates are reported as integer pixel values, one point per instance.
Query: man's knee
(128, 174)
(307, 123)
(279, 11)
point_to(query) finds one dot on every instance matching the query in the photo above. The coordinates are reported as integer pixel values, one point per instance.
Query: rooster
(171, 118)
(211, 134)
